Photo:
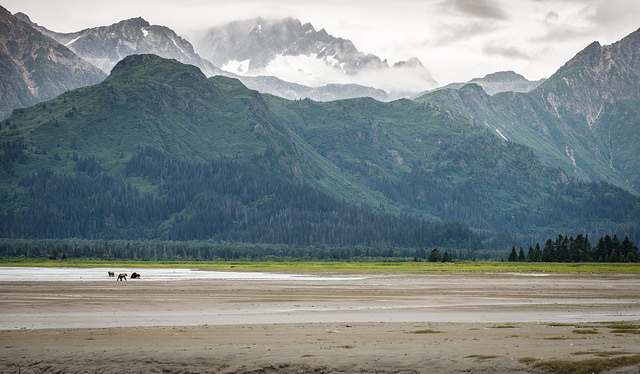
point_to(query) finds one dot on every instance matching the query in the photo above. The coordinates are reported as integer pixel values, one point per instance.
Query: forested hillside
(222, 200)
(430, 160)
(159, 152)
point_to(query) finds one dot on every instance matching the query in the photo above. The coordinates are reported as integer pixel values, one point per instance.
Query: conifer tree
(521, 256)
(434, 256)
(513, 256)
(537, 253)
(446, 257)
(548, 253)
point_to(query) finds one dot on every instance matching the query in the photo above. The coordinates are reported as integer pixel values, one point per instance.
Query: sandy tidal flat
(384, 323)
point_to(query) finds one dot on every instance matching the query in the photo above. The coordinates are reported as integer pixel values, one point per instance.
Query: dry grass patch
(585, 331)
(426, 331)
(624, 328)
(482, 357)
(505, 327)
(589, 366)
(601, 353)
(528, 360)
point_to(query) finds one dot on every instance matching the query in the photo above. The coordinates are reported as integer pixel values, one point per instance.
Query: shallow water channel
(40, 274)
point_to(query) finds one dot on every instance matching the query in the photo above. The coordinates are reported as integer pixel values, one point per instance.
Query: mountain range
(297, 53)
(325, 68)
(158, 149)
(105, 46)
(92, 160)
(35, 68)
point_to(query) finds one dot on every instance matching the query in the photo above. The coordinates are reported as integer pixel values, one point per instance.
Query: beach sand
(369, 323)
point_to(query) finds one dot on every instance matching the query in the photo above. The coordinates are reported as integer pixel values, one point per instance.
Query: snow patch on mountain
(72, 40)
(237, 67)
(297, 53)
(302, 69)
(500, 133)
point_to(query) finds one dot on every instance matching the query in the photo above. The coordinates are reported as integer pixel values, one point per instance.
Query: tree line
(208, 250)
(579, 249)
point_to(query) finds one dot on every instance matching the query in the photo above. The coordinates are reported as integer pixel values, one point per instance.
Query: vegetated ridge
(110, 151)
(584, 119)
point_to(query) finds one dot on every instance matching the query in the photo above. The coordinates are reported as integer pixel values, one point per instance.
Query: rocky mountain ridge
(597, 75)
(36, 68)
(105, 46)
(584, 119)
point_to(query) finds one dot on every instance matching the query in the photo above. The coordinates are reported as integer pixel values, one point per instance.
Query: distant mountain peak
(589, 56)
(296, 52)
(596, 75)
(412, 62)
(24, 18)
(104, 46)
(501, 76)
(501, 81)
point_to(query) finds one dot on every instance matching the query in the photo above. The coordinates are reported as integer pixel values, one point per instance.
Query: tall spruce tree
(513, 256)
(548, 252)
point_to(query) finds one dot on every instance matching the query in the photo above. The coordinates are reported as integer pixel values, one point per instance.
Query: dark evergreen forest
(579, 249)
(223, 201)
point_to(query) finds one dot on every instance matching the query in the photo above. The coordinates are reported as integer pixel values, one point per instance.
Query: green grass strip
(346, 266)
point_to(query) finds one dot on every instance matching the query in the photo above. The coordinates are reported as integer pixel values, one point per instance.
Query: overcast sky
(456, 40)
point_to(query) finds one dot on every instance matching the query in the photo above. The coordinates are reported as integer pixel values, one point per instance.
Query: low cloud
(561, 33)
(551, 17)
(451, 33)
(483, 9)
(499, 48)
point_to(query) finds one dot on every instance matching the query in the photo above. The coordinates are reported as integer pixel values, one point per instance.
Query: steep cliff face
(34, 67)
(594, 77)
(584, 119)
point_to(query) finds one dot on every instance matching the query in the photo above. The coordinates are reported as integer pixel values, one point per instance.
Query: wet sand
(384, 323)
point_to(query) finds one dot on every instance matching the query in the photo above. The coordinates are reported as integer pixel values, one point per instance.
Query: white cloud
(481, 9)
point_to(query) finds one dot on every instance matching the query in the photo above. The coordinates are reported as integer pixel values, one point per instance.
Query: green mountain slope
(435, 163)
(150, 101)
(138, 156)
(582, 119)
